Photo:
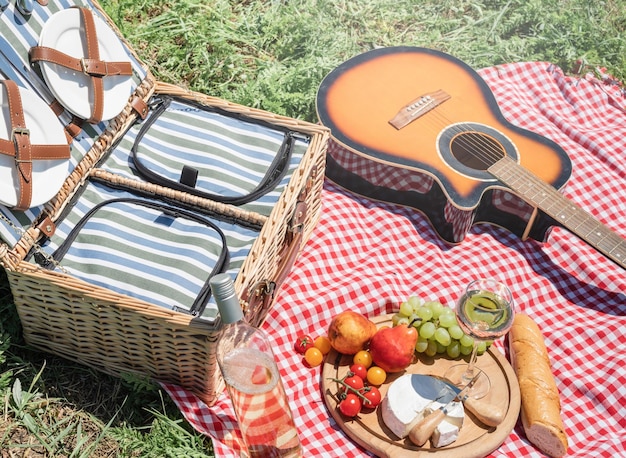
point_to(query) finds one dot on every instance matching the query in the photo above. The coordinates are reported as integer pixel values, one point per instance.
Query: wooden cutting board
(475, 440)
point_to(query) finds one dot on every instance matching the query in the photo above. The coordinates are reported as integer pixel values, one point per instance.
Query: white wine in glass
(485, 312)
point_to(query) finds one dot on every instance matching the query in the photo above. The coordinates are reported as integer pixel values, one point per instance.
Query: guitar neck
(568, 214)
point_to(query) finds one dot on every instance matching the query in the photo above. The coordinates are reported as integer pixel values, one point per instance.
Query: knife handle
(488, 414)
(422, 431)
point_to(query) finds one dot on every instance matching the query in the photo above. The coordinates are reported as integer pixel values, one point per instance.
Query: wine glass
(484, 312)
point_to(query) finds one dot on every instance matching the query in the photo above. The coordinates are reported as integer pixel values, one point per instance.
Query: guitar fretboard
(568, 214)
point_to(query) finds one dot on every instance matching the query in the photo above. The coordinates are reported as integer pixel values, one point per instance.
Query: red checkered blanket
(369, 256)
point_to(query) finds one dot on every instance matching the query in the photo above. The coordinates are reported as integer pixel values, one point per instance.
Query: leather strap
(140, 106)
(73, 128)
(56, 107)
(20, 147)
(91, 65)
(47, 226)
(20, 137)
(261, 294)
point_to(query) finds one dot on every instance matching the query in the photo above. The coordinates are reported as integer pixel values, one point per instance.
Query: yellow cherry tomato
(322, 343)
(313, 357)
(376, 376)
(363, 357)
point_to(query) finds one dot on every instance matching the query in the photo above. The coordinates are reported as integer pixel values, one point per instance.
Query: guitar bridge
(418, 107)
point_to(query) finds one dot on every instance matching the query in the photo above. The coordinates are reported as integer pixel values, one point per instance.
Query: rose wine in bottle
(246, 360)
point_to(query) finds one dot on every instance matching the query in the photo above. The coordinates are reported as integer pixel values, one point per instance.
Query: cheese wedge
(410, 398)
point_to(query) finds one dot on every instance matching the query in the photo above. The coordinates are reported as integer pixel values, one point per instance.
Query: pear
(349, 332)
(393, 349)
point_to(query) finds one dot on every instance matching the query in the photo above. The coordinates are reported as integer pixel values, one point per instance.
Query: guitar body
(420, 128)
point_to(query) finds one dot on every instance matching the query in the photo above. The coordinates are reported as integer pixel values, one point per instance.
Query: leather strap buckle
(19, 131)
(83, 66)
(95, 67)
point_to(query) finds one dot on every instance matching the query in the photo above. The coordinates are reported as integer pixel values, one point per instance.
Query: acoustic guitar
(421, 128)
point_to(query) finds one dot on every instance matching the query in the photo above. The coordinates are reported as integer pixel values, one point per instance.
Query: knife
(488, 414)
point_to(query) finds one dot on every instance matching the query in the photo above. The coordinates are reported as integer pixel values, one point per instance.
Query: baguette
(541, 407)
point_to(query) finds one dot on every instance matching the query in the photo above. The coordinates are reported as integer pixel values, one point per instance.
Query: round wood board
(475, 439)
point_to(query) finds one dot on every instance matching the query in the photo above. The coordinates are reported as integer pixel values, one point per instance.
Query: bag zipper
(275, 173)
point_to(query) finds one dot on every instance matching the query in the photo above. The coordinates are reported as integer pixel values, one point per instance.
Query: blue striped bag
(147, 248)
(210, 153)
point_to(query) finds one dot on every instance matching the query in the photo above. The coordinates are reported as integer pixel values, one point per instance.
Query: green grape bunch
(438, 330)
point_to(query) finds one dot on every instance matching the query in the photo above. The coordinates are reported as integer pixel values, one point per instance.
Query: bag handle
(221, 264)
(91, 65)
(275, 172)
(20, 146)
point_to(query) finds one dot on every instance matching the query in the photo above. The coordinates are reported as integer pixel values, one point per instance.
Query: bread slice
(541, 407)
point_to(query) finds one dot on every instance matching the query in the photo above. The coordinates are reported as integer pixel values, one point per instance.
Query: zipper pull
(159, 102)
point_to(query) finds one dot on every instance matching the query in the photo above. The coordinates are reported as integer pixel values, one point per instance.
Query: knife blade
(425, 428)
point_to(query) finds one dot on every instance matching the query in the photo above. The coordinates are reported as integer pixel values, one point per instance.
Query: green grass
(272, 55)
(55, 408)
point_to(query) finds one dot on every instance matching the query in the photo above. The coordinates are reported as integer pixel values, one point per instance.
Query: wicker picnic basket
(119, 334)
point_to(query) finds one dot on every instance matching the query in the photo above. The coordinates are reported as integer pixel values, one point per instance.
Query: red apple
(393, 349)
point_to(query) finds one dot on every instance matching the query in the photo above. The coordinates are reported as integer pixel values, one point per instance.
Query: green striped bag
(209, 153)
(146, 248)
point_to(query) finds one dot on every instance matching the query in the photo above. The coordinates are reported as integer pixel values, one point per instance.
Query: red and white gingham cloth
(369, 256)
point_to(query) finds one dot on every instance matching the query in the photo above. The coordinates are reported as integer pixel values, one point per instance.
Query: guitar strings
(476, 144)
(579, 221)
(480, 145)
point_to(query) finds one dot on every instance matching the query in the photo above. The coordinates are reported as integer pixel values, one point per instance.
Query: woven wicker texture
(117, 334)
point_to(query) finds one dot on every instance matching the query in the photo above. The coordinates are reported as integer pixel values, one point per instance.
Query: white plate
(45, 129)
(63, 32)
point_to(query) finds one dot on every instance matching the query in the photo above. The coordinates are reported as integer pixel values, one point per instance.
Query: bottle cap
(223, 290)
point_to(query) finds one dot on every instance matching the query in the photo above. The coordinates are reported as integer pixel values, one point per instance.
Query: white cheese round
(411, 397)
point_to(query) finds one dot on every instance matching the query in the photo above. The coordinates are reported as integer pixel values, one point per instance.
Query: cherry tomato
(322, 343)
(302, 344)
(363, 357)
(359, 370)
(351, 405)
(355, 382)
(376, 375)
(373, 397)
(313, 357)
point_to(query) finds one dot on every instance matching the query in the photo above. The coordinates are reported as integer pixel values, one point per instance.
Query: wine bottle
(251, 375)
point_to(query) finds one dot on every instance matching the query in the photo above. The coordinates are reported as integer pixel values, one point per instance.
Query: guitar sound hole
(476, 150)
